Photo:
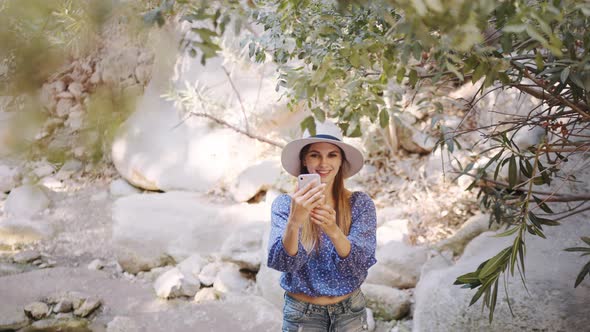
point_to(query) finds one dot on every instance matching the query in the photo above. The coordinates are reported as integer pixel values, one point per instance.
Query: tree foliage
(341, 58)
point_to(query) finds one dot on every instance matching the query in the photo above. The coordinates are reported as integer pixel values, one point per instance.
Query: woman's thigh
(354, 319)
(298, 317)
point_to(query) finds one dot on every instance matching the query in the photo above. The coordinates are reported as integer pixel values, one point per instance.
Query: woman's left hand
(325, 217)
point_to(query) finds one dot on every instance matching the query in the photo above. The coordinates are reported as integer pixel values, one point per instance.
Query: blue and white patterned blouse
(323, 272)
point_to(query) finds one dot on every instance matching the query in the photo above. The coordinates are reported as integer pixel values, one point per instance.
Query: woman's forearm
(291, 238)
(340, 242)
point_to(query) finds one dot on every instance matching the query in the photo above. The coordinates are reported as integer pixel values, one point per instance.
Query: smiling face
(324, 159)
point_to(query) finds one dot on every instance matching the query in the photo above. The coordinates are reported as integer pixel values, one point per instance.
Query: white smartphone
(304, 179)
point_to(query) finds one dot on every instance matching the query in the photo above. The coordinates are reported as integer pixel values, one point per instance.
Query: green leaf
(576, 249)
(384, 118)
(309, 124)
(542, 205)
(493, 300)
(508, 232)
(319, 114)
(539, 61)
(564, 74)
(468, 278)
(355, 59)
(413, 78)
(585, 270)
(495, 264)
(455, 71)
(512, 175)
(480, 70)
(401, 72)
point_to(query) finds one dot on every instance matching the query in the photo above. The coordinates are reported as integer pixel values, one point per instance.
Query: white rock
(100, 196)
(142, 74)
(386, 303)
(9, 177)
(26, 256)
(63, 306)
(209, 273)
(96, 264)
(63, 107)
(206, 294)
(190, 269)
(122, 324)
(243, 246)
(121, 187)
(157, 149)
(69, 167)
(174, 224)
(75, 120)
(267, 283)
(413, 140)
(51, 183)
(43, 169)
(230, 280)
(548, 303)
(16, 231)
(37, 310)
(256, 178)
(76, 89)
(370, 320)
(398, 265)
(168, 284)
(474, 226)
(65, 95)
(26, 201)
(89, 305)
(393, 230)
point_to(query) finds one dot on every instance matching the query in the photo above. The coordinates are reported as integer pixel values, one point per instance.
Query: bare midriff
(319, 300)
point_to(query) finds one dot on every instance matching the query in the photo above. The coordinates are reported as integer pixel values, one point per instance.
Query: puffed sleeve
(362, 237)
(278, 258)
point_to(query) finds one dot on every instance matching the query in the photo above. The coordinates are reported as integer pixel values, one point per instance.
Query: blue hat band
(327, 137)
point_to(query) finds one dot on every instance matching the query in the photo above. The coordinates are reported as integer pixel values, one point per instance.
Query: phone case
(304, 179)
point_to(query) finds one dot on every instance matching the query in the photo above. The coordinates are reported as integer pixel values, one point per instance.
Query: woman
(323, 237)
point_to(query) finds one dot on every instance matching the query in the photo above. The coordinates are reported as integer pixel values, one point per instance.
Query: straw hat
(326, 132)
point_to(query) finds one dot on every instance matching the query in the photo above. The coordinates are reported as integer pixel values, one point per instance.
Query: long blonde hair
(310, 232)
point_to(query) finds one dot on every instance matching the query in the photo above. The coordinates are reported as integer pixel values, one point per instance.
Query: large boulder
(474, 226)
(255, 178)
(398, 265)
(161, 147)
(550, 304)
(9, 177)
(176, 225)
(26, 201)
(243, 246)
(386, 303)
(16, 231)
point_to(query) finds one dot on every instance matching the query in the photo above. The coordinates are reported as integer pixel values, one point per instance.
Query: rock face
(160, 148)
(26, 201)
(553, 303)
(261, 176)
(398, 265)
(474, 226)
(138, 310)
(18, 230)
(9, 177)
(243, 246)
(176, 225)
(386, 302)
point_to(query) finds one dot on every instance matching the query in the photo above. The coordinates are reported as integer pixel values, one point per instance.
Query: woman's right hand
(304, 200)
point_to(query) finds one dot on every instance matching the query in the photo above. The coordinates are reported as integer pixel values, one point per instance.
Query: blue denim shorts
(348, 315)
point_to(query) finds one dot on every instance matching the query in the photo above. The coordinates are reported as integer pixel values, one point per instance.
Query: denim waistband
(341, 306)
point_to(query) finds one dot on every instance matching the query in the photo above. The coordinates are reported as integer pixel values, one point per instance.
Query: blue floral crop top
(323, 272)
